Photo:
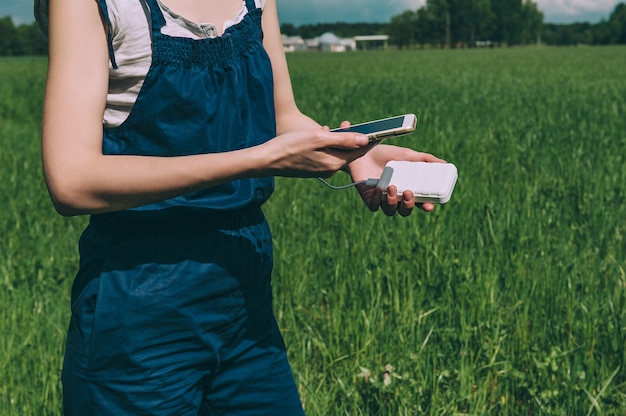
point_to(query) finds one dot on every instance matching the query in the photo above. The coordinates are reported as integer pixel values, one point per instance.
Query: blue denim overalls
(172, 305)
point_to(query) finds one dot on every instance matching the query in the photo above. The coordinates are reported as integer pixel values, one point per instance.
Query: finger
(426, 206)
(337, 140)
(344, 125)
(432, 158)
(414, 156)
(427, 157)
(406, 204)
(389, 205)
(374, 201)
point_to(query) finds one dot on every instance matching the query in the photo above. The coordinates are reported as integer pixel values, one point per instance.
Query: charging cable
(370, 183)
(383, 182)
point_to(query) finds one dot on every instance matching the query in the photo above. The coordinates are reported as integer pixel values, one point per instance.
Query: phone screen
(375, 126)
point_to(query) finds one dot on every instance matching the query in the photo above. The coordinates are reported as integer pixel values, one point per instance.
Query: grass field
(508, 300)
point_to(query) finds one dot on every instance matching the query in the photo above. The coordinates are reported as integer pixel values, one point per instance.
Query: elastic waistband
(129, 222)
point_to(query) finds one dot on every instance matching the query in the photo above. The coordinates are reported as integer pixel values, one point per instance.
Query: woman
(168, 133)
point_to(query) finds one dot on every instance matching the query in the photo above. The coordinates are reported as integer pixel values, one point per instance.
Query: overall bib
(172, 305)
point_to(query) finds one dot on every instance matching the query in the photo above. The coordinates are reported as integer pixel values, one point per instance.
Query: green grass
(37, 252)
(508, 300)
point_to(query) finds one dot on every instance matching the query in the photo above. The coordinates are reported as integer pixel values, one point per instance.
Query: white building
(293, 43)
(328, 42)
(372, 42)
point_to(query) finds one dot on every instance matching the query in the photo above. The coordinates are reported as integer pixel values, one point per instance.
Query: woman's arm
(288, 115)
(82, 180)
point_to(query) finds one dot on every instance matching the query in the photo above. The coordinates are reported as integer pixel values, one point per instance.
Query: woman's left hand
(371, 165)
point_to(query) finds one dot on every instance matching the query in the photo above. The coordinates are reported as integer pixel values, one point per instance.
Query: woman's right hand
(311, 153)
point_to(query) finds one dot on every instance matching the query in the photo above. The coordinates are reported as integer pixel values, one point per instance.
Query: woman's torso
(130, 28)
(187, 91)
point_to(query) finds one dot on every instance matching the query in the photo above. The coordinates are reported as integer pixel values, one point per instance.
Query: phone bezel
(409, 122)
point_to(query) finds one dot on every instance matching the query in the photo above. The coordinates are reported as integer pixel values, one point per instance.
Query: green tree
(463, 22)
(435, 19)
(288, 29)
(508, 15)
(532, 21)
(21, 40)
(9, 43)
(31, 40)
(617, 25)
(403, 29)
(477, 21)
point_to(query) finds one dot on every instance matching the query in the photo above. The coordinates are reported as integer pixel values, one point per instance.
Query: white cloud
(20, 10)
(314, 11)
(576, 8)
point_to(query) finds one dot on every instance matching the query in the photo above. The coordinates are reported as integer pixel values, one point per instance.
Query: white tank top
(130, 29)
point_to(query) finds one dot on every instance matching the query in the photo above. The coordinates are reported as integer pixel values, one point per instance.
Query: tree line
(21, 40)
(439, 23)
(470, 23)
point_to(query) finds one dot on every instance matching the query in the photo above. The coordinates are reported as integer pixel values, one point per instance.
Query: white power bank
(430, 182)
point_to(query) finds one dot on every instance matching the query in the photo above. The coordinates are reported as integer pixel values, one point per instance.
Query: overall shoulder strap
(107, 20)
(156, 15)
(250, 5)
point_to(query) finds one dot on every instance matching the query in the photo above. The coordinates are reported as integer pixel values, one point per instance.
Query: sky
(330, 11)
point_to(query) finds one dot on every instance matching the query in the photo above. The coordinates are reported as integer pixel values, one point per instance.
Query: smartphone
(429, 182)
(382, 129)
